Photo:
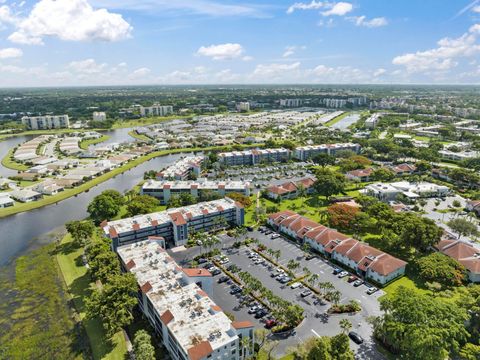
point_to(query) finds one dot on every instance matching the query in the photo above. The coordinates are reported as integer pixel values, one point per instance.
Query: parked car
(306, 293)
(270, 323)
(260, 313)
(249, 228)
(236, 290)
(201, 261)
(254, 309)
(223, 279)
(343, 274)
(285, 280)
(215, 272)
(358, 282)
(352, 278)
(310, 257)
(208, 265)
(336, 271)
(371, 290)
(275, 236)
(295, 285)
(356, 338)
(319, 301)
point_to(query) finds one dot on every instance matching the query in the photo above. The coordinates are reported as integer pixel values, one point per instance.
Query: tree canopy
(442, 269)
(142, 204)
(329, 182)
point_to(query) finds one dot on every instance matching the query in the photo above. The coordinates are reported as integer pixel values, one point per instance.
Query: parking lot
(316, 322)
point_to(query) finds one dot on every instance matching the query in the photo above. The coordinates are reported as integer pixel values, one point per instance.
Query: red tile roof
(146, 287)
(200, 350)
(130, 265)
(242, 324)
(177, 218)
(166, 317)
(386, 264)
(196, 272)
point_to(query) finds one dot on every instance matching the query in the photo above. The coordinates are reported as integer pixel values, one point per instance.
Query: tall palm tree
(277, 254)
(335, 296)
(312, 280)
(245, 345)
(346, 325)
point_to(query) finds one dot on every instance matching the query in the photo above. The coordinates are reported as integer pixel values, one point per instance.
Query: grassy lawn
(43, 132)
(12, 164)
(48, 200)
(135, 135)
(336, 119)
(36, 320)
(262, 355)
(80, 286)
(86, 143)
(147, 121)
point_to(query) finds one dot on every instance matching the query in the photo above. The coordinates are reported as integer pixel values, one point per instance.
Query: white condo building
(176, 302)
(309, 152)
(156, 110)
(99, 116)
(46, 122)
(164, 190)
(182, 169)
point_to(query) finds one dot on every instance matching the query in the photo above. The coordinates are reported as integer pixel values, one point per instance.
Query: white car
(371, 290)
(343, 274)
(295, 285)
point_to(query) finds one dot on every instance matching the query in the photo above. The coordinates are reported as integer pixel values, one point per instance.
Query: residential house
(290, 189)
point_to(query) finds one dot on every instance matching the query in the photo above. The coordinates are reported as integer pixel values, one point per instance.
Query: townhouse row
(367, 261)
(175, 225)
(176, 302)
(290, 189)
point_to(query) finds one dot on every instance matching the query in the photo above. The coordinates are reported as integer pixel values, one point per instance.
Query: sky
(137, 42)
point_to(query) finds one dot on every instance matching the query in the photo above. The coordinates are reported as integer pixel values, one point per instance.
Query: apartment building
(466, 254)
(164, 190)
(156, 110)
(176, 302)
(243, 106)
(99, 116)
(291, 102)
(174, 225)
(182, 169)
(46, 122)
(253, 157)
(304, 153)
(367, 261)
(290, 189)
(390, 191)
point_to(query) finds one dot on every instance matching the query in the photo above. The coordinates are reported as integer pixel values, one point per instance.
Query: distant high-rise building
(99, 116)
(291, 102)
(46, 122)
(243, 106)
(156, 110)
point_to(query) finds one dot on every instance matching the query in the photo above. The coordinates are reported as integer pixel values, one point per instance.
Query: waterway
(24, 231)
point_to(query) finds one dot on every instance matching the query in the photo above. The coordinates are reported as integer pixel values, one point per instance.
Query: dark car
(236, 290)
(357, 339)
(201, 261)
(260, 313)
(208, 265)
(249, 228)
(336, 271)
(223, 279)
(216, 272)
(310, 257)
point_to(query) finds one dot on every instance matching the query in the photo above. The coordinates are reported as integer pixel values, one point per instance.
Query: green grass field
(12, 164)
(86, 143)
(79, 285)
(141, 137)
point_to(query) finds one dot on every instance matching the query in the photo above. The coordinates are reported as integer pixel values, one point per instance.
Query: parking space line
(316, 334)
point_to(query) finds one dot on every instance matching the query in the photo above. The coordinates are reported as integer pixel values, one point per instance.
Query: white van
(295, 285)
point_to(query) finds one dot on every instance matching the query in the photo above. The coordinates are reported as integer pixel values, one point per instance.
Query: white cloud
(372, 23)
(139, 73)
(314, 5)
(476, 9)
(445, 56)
(247, 58)
(291, 50)
(72, 20)
(8, 53)
(226, 51)
(6, 16)
(274, 70)
(379, 72)
(87, 67)
(339, 9)
(328, 23)
(173, 7)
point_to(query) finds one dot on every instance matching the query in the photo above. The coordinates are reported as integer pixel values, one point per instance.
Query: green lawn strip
(262, 355)
(79, 284)
(12, 164)
(46, 132)
(138, 136)
(86, 143)
(147, 121)
(48, 200)
(336, 119)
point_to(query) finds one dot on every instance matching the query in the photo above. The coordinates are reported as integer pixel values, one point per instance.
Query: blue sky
(115, 42)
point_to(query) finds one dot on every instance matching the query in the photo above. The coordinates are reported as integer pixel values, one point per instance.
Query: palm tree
(312, 280)
(335, 296)
(245, 345)
(277, 254)
(306, 270)
(346, 325)
(292, 265)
